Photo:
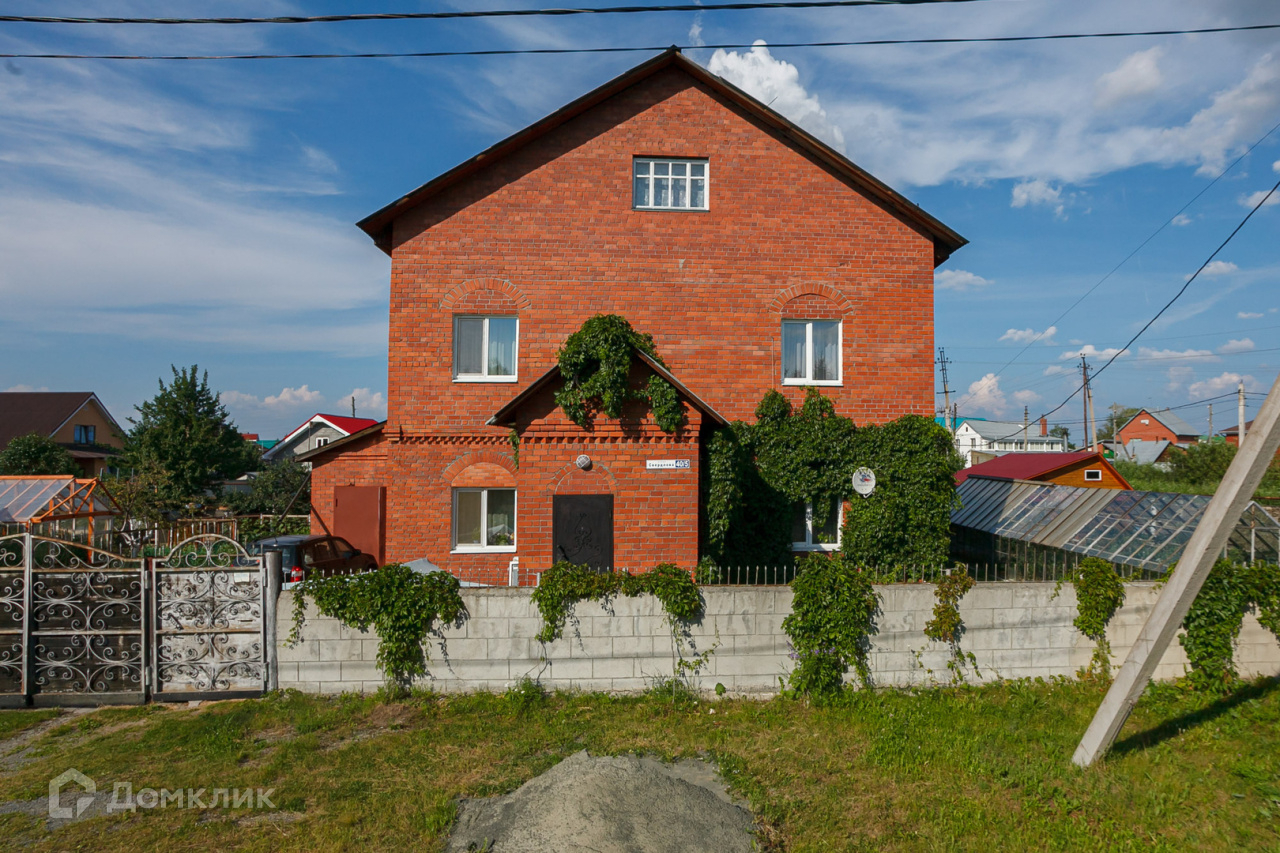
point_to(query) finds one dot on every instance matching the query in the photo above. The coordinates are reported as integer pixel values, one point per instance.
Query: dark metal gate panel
(208, 599)
(13, 621)
(582, 530)
(85, 634)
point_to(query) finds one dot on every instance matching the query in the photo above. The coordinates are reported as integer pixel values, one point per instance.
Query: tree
(1117, 417)
(186, 432)
(35, 455)
(279, 488)
(1063, 433)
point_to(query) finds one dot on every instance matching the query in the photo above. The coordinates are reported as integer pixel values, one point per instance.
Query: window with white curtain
(809, 534)
(811, 352)
(484, 349)
(484, 519)
(670, 184)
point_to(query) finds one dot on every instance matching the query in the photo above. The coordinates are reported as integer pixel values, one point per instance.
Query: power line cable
(1265, 198)
(485, 13)
(1129, 256)
(550, 51)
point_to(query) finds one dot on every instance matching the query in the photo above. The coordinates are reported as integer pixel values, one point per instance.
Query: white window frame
(321, 442)
(808, 354)
(484, 515)
(706, 178)
(1093, 475)
(484, 349)
(809, 544)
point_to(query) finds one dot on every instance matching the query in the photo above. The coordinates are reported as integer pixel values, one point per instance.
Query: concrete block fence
(1015, 630)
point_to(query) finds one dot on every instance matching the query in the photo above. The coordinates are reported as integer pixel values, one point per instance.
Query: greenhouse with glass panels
(1017, 524)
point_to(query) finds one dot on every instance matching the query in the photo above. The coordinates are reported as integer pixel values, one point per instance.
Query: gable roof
(506, 415)
(1146, 452)
(344, 425)
(373, 429)
(993, 430)
(26, 499)
(1167, 419)
(945, 241)
(43, 412)
(1031, 466)
(1233, 430)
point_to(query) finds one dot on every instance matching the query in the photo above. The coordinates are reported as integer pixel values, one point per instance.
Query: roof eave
(338, 444)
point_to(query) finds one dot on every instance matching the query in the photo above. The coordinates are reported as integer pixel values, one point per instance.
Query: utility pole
(353, 406)
(1211, 420)
(942, 363)
(1090, 428)
(1240, 422)
(1026, 413)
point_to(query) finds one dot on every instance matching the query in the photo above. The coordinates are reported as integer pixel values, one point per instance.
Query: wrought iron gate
(208, 601)
(83, 626)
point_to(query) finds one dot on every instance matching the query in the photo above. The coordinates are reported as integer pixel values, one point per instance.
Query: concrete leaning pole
(1210, 537)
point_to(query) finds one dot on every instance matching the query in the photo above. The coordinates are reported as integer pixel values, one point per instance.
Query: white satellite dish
(864, 481)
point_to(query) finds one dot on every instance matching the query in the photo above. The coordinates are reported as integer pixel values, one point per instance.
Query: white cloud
(1178, 375)
(985, 394)
(1138, 75)
(960, 280)
(1180, 220)
(1248, 315)
(25, 388)
(1252, 200)
(695, 30)
(1241, 345)
(1147, 353)
(1221, 384)
(1026, 336)
(776, 83)
(302, 395)
(1025, 397)
(1090, 351)
(1058, 370)
(1219, 268)
(369, 403)
(1036, 192)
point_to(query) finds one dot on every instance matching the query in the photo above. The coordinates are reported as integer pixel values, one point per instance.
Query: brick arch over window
(480, 469)
(485, 294)
(572, 480)
(802, 299)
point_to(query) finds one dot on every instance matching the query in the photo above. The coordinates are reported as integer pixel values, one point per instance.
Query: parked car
(303, 557)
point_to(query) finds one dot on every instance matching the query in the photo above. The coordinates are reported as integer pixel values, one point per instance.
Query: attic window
(669, 184)
(1093, 475)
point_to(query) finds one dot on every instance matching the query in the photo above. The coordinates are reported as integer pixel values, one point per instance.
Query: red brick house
(1157, 425)
(756, 256)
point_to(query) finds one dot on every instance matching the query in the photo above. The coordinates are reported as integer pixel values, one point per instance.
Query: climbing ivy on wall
(946, 626)
(565, 584)
(756, 473)
(830, 624)
(1214, 620)
(1099, 594)
(595, 362)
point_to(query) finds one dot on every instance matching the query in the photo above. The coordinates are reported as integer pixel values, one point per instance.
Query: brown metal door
(582, 530)
(359, 516)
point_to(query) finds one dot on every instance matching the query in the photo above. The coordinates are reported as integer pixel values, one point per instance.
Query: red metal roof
(349, 424)
(1025, 466)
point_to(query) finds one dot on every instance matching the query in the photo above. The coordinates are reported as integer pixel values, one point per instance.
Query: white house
(997, 437)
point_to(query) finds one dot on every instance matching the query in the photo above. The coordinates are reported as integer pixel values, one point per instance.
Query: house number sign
(864, 481)
(665, 464)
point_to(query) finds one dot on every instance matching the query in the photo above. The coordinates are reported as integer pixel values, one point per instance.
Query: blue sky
(177, 213)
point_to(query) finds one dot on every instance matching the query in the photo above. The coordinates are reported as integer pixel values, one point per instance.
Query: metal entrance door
(208, 600)
(582, 530)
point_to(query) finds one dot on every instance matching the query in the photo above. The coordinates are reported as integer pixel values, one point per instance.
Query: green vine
(946, 626)
(401, 605)
(1099, 594)
(514, 438)
(758, 473)
(1214, 620)
(565, 584)
(830, 624)
(595, 363)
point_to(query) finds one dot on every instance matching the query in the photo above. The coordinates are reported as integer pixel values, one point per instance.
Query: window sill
(477, 549)
(504, 379)
(800, 546)
(830, 383)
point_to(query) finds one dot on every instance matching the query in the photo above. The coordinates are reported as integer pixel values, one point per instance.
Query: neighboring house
(756, 256)
(1157, 425)
(1145, 452)
(1085, 468)
(977, 440)
(1232, 435)
(317, 431)
(77, 420)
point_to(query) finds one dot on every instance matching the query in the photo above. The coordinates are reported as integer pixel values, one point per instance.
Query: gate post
(271, 565)
(28, 577)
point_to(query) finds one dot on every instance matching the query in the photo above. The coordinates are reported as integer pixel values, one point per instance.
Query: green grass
(977, 769)
(13, 722)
